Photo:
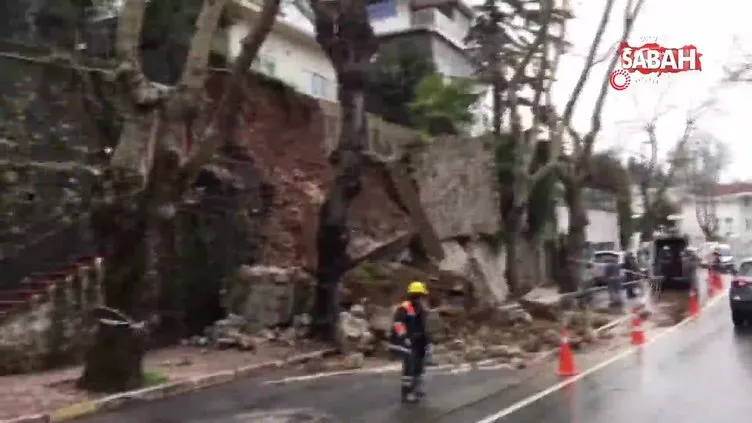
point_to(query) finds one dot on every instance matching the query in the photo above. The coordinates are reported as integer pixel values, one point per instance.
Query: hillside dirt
(284, 132)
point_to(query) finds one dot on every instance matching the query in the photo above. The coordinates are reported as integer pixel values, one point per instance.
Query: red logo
(653, 58)
(619, 80)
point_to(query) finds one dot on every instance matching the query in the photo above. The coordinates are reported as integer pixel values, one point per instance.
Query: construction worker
(410, 340)
(632, 275)
(715, 263)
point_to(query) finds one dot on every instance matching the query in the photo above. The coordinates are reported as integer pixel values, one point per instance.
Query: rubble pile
(264, 310)
(237, 332)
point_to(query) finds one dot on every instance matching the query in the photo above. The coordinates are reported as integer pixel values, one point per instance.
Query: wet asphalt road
(698, 373)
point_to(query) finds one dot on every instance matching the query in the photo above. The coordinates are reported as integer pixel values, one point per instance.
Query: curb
(166, 390)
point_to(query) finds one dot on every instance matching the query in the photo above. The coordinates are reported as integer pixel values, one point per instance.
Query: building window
(264, 64)
(748, 224)
(318, 85)
(746, 201)
(381, 9)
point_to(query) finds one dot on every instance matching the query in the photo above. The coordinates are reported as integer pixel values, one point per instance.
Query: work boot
(409, 398)
(418, 388)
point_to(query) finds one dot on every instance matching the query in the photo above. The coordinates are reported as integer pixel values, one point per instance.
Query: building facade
(732, 208)
(290, 52)
(602, 230)
(437, 26)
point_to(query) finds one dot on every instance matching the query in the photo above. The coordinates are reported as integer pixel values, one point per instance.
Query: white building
(290, 52)
(437, 26)
(733, 208)
(602, 231)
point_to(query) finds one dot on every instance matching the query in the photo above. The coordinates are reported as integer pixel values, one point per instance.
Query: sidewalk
(46, 391)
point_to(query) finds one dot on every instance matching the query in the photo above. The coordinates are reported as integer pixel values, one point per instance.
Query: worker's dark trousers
(631, 287)
(412, 370)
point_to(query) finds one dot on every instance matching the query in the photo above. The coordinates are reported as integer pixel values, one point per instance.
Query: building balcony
(434, 20)
(391, 17)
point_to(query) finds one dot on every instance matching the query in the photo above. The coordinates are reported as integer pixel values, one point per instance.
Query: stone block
(266, 295)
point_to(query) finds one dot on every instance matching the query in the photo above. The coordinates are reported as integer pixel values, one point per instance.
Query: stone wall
(458, 186)
(453, 173)
(46, 166)
(53, 328)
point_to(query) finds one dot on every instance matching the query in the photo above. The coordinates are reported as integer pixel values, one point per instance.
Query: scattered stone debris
(236, 332)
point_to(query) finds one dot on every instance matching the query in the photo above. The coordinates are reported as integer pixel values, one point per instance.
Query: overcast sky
(673, 24)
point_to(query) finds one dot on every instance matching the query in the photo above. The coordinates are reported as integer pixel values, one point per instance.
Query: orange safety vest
(400, 329)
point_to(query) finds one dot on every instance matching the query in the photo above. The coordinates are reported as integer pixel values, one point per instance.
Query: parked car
(596, 269)
(740, 293)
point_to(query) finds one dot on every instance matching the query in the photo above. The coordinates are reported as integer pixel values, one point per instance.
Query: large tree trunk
(151, 169)
(132, 226)
(113, 363)
(514, 233)
(497, 89)
(576, 240)
(648, 225)
(333, 234)
(348, 39)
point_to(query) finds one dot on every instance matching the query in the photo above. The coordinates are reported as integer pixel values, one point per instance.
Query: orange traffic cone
(717, 282)
(566, 357)
(694, 306)
(638, 336)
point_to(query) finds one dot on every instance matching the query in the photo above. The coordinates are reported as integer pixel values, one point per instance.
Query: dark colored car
(668, 262)
(740, 294)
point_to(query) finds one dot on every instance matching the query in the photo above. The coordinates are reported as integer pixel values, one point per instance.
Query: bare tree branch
(706, 158)
(133, 157)
(630, 16)
(602, 57)
(252, 43)
(130, 24)
(544, 71)
(580, 85)
(740, 72)
(210, 140)
(519, 71)
(554, 121)
(195, 69)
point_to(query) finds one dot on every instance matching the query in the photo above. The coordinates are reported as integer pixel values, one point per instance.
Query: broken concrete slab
(542, 303)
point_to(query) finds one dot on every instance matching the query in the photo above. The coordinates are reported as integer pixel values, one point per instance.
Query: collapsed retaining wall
(458, 192)
(449, 198)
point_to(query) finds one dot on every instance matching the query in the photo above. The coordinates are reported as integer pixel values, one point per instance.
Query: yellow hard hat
(417, 287)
